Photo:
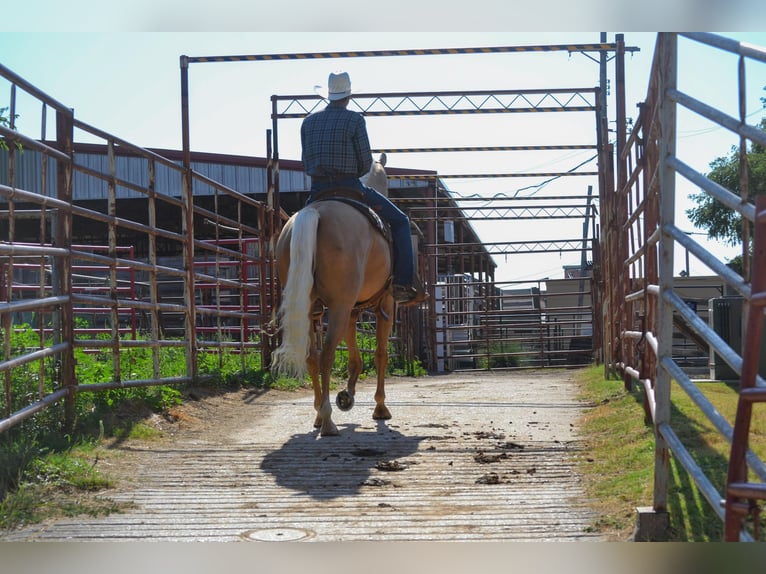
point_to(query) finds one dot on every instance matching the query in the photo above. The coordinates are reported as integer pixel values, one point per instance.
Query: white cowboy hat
(338, 87)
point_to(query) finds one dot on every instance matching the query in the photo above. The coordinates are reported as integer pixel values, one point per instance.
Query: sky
(127, 83)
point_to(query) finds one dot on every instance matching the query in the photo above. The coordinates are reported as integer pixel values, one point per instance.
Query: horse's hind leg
(383, 323)
(337, 319)
(312, 365)
(345, 398)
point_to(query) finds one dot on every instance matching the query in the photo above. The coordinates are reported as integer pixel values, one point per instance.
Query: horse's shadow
(325, 468)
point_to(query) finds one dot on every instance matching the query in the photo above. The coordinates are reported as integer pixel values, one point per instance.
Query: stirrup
(407, 296)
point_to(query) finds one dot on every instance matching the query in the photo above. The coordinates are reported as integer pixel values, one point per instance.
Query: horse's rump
(380, 226)
(353, 259)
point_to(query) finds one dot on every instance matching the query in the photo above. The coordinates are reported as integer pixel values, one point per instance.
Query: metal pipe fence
(187, 271)
(642, 238)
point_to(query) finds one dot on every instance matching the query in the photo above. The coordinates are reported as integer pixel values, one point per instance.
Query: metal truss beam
(438, 103)
(494, 198)
(512, 247)
(501, 213)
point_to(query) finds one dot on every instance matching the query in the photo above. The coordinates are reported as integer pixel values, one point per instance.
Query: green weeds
(619, 460)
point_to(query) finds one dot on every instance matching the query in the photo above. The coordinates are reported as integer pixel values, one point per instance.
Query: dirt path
(465, 457)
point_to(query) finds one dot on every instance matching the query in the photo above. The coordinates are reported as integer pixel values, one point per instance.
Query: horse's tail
(293, 315)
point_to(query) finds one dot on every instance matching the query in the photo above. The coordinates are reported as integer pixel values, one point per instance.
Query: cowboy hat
(338, 87)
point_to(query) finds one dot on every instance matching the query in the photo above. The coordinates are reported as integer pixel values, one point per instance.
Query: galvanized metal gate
(643, 305)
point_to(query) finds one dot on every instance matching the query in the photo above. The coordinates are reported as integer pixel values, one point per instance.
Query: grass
(46, 474)
(619, 464)
(42, 482)
(56, 485)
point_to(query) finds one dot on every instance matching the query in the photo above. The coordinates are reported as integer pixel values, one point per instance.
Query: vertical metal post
(744, 191)
(184, 62)
(155, 317)
(7, 321)
(606, 201)
(431, 272)
(621, 114)
(61, 276)
(275, 199)
(274, 207)
(668, 51)
(112, 239)
(190, 316)
(187, 224)
(624, 274)
(584, 254)
(268, 268)
(267, 296)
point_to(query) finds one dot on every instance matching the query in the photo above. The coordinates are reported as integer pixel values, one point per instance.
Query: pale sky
(128, 84)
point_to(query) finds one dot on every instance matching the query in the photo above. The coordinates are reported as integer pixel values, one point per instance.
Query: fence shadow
(691, 517)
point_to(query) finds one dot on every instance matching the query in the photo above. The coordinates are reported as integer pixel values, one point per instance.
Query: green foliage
(46, 486)
(5, 121)
(17, 451)
(404, 368)
(498, 356)
(719, 221)
(64, 469)
(398, 364)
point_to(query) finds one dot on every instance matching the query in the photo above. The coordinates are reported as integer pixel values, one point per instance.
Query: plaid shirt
(335, 143)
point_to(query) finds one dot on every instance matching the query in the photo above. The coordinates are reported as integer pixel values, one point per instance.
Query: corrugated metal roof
(230, 171)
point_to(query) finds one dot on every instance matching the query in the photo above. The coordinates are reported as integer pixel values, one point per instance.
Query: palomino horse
(329, 256)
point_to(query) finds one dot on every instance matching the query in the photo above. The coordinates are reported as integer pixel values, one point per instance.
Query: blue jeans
(404, 268)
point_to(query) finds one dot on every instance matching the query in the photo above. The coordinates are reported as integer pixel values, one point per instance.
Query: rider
(336, 153)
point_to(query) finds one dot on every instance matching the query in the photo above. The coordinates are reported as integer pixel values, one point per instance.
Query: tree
(5, 121)
(719, 221)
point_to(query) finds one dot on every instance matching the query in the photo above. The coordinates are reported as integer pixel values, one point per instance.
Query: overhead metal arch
(434, 204)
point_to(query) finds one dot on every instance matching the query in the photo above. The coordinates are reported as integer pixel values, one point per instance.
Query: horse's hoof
(329, 429)
(381, 414)
(344, 400)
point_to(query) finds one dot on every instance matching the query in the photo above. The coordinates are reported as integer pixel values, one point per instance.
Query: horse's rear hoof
(344, 400)
(381, 414)
(329, 429)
